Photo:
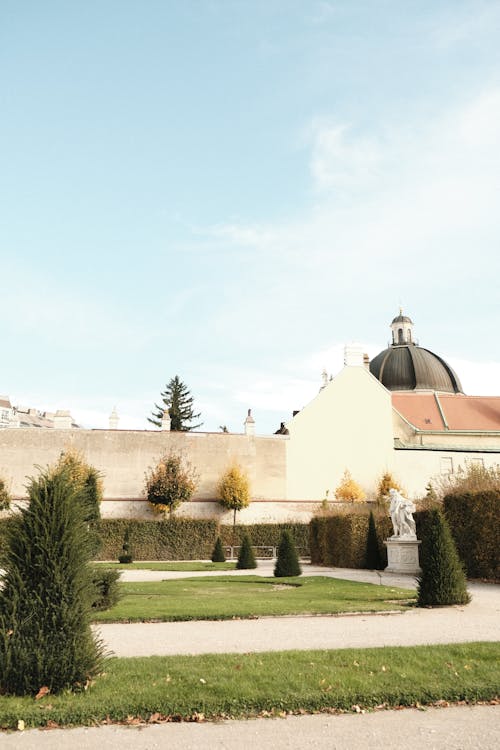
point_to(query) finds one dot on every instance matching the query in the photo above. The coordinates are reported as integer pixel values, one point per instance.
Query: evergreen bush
(5, 498)
(374, 559)
(218, 552)
(442, 580)
(47, 594)
(107, 592)
(287, 563)
(246, 558)
(126, 555)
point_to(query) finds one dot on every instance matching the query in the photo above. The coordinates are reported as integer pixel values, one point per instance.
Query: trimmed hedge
(474, 520)
(182, 538)
(171, 539)
(339, 541)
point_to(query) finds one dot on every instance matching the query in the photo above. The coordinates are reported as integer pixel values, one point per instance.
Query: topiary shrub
(374, 560)
(126, 555)
(107, 592)
(246, 558)
(88, 481)
(442, 580)
(47, 595)
(5, 498)
(218, 555)
(287, 563)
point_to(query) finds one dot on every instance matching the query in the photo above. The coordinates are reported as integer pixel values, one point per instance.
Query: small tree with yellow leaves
(171, 482)
(348, 490)
(234, 491)
(386, 483)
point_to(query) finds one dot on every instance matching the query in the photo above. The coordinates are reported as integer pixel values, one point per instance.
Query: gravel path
(479, 620)
(454, 728)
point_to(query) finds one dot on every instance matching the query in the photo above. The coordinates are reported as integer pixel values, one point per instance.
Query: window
(4, 415)
(400, 336)
(446, 465)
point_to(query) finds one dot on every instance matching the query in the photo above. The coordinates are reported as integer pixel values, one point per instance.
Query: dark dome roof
(402, 319)
(412, 368)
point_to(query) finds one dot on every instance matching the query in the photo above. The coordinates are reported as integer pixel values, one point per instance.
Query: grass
(188, 566)
(239, 685)
(227, 597)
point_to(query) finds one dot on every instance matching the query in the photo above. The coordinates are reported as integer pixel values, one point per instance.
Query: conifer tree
(442, 580)
(246, 558)
(373, 556)
(218, 552)
(4, 495)
(177, 400)
(287, 563)
(47, 594)
(126, 556)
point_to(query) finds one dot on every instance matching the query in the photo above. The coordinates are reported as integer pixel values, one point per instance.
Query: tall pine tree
(177, 400)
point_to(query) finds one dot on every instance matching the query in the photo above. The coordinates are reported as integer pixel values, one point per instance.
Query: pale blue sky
(230, 190)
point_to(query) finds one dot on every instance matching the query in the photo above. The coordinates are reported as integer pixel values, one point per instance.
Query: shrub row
(187, 539)
(474, 519)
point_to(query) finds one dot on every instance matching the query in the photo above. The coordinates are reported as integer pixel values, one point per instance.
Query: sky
(232, 190)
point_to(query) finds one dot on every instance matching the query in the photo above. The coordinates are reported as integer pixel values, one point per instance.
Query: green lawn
(188, 566)
(226, 597)
(236, 685)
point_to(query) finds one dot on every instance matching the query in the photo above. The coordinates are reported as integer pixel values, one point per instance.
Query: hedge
(340, 541)
(474, 519)
(184, 539)
(171, 539)
(187, 539)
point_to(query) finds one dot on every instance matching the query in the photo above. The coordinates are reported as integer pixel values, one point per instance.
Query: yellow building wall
(347, 426)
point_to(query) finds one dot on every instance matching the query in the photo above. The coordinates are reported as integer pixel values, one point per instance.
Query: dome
(405, 366)
(402, 319)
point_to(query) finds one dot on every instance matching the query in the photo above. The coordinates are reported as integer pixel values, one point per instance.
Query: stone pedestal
(402, 555)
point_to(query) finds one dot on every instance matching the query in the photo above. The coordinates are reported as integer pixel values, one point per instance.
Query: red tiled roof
(471, 412)
(420, 409)
(423, 410)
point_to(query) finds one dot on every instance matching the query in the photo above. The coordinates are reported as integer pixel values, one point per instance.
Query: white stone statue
(401, 510)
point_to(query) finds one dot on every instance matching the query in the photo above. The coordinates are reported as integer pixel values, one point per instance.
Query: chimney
(113, 419)
(63, 420)
(249, 424)
(353, 355)
(366, 361)
(166, 421)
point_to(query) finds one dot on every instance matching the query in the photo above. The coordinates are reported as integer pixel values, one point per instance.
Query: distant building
(405, 412)
(23, 416)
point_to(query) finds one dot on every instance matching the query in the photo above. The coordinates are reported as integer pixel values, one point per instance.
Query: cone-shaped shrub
(246, 558)
(218, 552)
(287, 563)
(47, 594)
(373, 556)
(442, 580)
(126, 555)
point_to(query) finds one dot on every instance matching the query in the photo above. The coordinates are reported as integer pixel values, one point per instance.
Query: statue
(401, 510)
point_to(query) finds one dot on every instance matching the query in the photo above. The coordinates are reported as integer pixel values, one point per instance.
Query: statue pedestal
(402, 555)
